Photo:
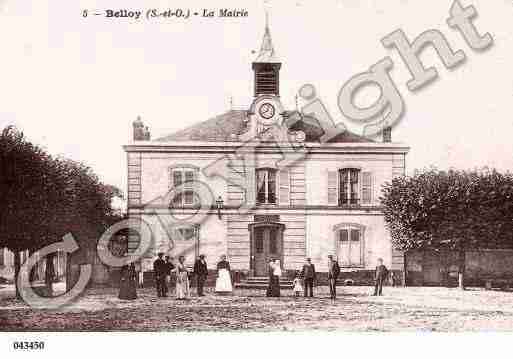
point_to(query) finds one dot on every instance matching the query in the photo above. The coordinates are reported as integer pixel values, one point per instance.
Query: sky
(74, 85)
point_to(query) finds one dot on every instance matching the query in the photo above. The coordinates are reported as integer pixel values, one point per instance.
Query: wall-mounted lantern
(220, 205)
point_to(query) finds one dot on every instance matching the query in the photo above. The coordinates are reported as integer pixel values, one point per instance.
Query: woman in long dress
(182, 279)
(274, 279)
(128, 283)
(224, 278)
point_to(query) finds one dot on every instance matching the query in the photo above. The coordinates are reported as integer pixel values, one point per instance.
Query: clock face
(267, 111)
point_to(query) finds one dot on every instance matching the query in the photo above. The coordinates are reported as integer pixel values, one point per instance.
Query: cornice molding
(232, 147)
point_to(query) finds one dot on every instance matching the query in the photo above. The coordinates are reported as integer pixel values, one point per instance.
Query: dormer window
(266, 186)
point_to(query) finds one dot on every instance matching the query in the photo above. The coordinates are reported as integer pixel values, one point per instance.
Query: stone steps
(262, 283)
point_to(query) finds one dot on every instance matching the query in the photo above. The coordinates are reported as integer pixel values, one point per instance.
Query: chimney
(141, 132)
(387, 134)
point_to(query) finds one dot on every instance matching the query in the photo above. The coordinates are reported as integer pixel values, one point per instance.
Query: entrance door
(267, 244)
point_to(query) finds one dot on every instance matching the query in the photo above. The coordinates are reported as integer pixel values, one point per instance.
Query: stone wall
(425, 268)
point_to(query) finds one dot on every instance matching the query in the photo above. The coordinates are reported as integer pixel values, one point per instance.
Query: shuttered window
(349, 186)
(284, 180)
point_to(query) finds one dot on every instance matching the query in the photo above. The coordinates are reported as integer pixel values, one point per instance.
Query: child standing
(298, 288)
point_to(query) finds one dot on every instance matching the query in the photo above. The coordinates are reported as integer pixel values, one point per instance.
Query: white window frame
(189, 186)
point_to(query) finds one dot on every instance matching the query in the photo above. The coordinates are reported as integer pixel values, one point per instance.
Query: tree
(45, 198)
(24, 169)
(453, 210)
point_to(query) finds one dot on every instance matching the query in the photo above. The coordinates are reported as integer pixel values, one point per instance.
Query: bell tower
(267, 67)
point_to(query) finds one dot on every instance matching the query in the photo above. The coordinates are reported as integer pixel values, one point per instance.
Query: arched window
(349, 244)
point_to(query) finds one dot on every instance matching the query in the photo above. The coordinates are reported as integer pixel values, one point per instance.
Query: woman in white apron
(224, 278)
(273, 289)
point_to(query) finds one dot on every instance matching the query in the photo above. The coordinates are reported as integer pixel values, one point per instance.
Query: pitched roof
(219, 128)
(227, 127)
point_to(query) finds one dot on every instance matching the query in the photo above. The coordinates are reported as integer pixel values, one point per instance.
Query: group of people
(304, 280)
(166, 272)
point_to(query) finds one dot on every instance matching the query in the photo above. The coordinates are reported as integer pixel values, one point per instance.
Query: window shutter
(343, 247)
(366, 187)
(176, 182)
(355, 247)
(189, 197)
(284, 182)
(272, 187)
(332, 187)
(171, 179)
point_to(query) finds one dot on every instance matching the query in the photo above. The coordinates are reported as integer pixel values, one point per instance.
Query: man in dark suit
(308, 275)
(159, 268)
(379, 277)
(333, 273)
(201, 272)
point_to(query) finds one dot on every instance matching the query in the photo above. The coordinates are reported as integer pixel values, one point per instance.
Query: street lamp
(220, 205)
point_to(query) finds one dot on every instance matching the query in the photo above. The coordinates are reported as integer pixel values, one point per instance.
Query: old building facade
(275, 190)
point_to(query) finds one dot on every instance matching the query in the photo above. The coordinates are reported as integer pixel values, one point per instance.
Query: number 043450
(28, 345)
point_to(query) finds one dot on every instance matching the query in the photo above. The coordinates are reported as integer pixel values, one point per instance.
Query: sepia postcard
(252, 172)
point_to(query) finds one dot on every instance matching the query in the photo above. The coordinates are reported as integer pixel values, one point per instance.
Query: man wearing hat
(380, 276)
(201, 272)
(333, 273)
(308, 275)
(160, 269)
